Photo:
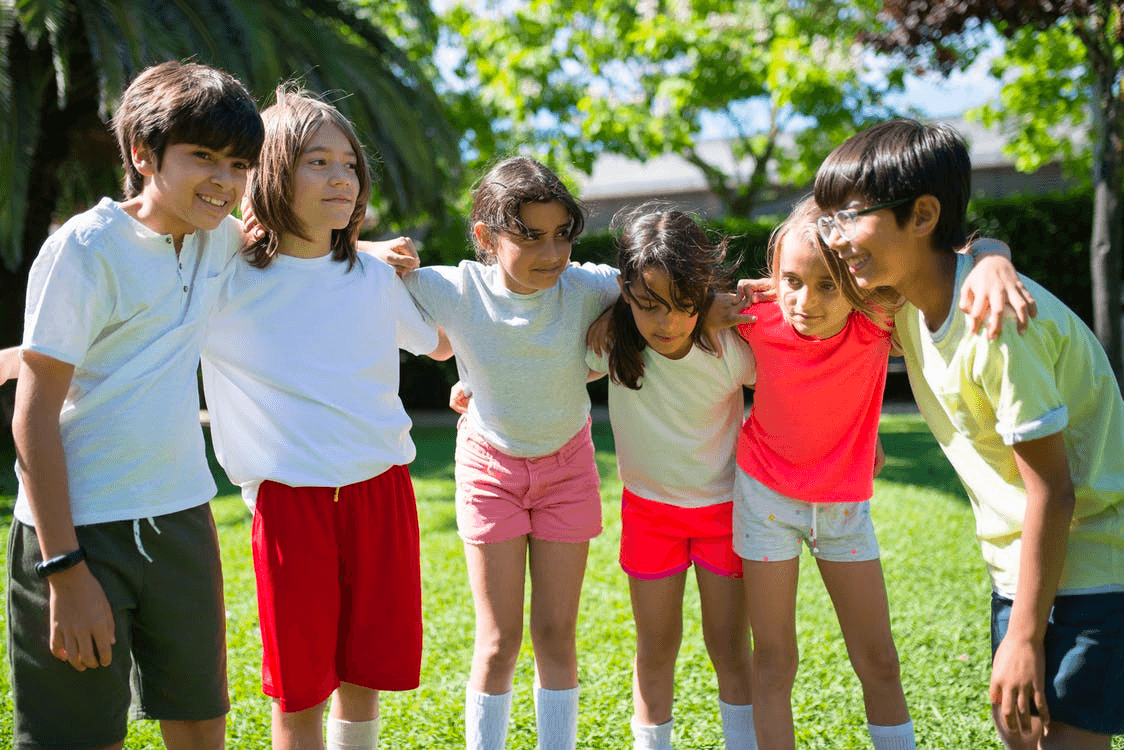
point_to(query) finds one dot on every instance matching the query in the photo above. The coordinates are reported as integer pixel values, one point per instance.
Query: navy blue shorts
(1084, 658)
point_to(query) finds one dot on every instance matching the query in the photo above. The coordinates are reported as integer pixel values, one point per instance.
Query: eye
(828, 286)
(317, 162)
(204, 155)
(241, 166)
(353, 166)
(793, 282)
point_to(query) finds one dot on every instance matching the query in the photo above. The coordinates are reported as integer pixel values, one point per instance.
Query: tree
(571, 80)
(65, 62)
(1063, 65)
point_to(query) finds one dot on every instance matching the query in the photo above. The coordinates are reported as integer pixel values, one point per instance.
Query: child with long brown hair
(300, 366)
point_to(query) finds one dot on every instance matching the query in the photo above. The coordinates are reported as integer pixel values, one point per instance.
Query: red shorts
(659, 540)
(339, 587)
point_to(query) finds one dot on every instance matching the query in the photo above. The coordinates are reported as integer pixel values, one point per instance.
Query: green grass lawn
(938, 601)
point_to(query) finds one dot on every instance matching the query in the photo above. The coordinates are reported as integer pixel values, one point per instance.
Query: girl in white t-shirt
(527, 483)
(300, 365)
(676, 407)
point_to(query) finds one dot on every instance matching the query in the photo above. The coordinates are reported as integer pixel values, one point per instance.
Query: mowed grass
(938, 600)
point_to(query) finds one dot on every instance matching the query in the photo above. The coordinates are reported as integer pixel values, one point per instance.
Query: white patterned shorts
(770, 527)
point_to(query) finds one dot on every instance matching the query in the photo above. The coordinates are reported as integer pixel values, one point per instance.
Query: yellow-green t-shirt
(980, 397)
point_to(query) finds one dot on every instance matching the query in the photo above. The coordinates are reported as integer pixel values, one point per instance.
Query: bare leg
(859, 596)
(557, 570)
(725, 626)
(771, 602)
(657, 609)
(298, 730)
(208, 734)
(496, 573)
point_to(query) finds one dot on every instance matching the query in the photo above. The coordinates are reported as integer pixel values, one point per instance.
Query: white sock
(899, 737)
(737, 726)
(353, 735)
(485, 720)
(651, 736)
(556, 714)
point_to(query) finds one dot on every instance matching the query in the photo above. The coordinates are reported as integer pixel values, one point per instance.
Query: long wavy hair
(652, 236)
(290, 124)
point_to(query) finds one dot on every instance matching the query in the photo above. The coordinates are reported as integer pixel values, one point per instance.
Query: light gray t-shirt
(522, 356)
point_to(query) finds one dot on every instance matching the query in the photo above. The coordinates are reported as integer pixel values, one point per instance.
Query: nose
(804, 299)
(341, 175)
(223, 174)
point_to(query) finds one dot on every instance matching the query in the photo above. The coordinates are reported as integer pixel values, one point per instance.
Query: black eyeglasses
(844, 221)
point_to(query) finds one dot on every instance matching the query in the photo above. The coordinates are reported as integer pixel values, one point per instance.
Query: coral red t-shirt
(812, 432)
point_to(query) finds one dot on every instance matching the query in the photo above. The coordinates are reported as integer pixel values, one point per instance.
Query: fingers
(973, 308)
(1043, 708)
(744, 319)
(104, 638)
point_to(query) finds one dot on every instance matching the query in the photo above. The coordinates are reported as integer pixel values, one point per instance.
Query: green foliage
(1049, 239)
(52, 48)
(569, 81)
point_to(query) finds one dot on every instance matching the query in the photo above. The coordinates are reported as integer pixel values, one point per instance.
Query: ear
(483, 235)
(144, 161)
(620, 283)
(926, 213)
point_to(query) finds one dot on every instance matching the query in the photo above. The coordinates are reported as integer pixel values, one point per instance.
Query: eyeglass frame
(826, 224)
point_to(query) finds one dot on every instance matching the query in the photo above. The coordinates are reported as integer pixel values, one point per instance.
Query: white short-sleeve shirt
(676, 436)
(300, 367)
(110, 297)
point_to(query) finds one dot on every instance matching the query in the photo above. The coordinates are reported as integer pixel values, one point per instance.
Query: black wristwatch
(59, 563)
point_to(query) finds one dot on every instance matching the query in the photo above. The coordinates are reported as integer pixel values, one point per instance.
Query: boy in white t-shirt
(114, 563)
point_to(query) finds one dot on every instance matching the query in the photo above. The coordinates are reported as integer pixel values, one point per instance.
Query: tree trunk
(1105, 244)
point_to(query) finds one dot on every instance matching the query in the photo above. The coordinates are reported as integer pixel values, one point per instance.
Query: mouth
(856, 263)
(216, 202)
(341, 199)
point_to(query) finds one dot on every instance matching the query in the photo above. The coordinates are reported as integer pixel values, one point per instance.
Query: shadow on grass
(914, 457)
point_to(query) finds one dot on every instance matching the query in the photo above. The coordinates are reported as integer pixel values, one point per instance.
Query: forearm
(42, 467)
(1044, 542)
(1050, 502)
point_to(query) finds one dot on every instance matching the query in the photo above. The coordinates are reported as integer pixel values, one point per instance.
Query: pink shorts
(660, 540)
(339, 588)
(555, 498)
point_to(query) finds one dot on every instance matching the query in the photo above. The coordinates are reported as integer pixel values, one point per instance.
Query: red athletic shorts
(659, 540)
(339, 587)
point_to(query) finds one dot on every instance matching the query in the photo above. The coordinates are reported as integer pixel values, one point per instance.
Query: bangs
(228, 127)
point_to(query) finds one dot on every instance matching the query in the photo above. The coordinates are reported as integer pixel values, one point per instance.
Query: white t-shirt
(522, 356)
(676, 436)
(109, 296)
(300, 367)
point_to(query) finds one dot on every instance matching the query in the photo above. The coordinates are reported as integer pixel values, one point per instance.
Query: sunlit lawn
(938, 599)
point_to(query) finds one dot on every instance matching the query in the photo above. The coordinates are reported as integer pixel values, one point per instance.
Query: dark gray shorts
(1084, 658)
(170, 624)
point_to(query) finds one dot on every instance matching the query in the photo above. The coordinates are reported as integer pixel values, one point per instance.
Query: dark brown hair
(503, 191)
(290, 124)
(654, 236)
(177, 102)
(902, 160)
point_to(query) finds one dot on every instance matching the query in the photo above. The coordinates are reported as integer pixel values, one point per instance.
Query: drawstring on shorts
(815, 545)
(137, 536)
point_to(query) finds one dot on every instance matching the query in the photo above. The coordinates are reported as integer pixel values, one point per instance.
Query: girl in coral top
(807, 455)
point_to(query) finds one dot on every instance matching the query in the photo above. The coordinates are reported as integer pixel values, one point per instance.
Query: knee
(775, 666)
(555, 637)
(499, 650)
(728, 650)
(878, 665)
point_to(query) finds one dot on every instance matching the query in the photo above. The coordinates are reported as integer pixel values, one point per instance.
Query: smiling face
(875, 252)
(810, 299)
(666, 328)
(325, 188)
(194, 187)
(535, 260)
